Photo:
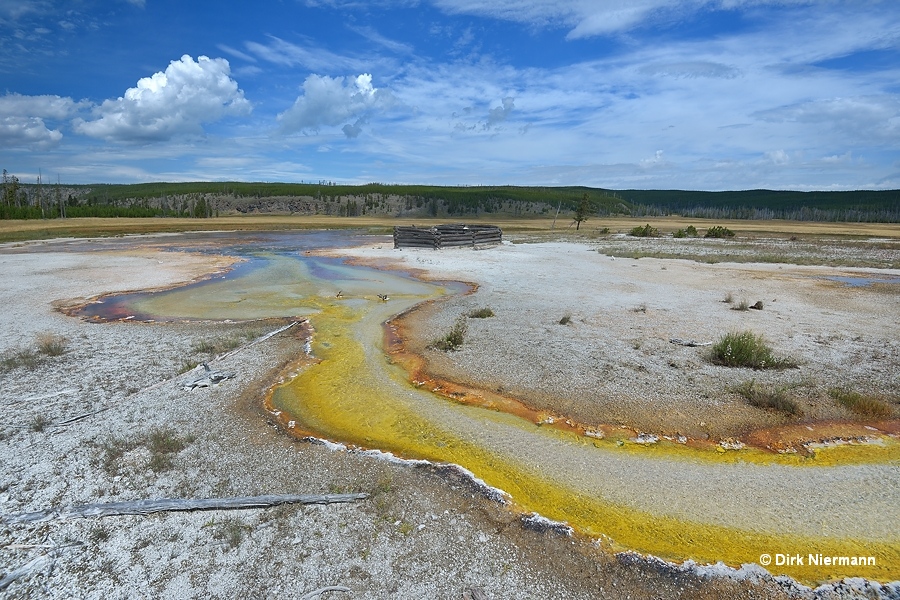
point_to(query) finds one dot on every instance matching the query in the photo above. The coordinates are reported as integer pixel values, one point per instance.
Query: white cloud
(22, 120)
(586, 18)
(170, 104)
(864, 119)
(27, 132)
(692, 69)
(47, 106)
(287, 54)
(332, 101)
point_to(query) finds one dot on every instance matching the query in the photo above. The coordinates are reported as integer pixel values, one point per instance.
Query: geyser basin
(665, 500)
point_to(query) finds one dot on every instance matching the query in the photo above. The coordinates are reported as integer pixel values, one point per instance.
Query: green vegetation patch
(746, 349)
(860, 404)
(162, 443)
(768, 399)
(481, 313)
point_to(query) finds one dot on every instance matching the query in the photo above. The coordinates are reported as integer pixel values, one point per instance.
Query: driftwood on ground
(146, 507)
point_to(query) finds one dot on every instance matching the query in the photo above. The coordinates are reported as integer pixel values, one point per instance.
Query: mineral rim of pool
(667, 500)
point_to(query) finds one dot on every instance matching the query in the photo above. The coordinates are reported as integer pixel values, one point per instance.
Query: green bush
(747, 349)
(645, 231)
(768, 399)
(864, 406)
(481, 313)
(717, 231)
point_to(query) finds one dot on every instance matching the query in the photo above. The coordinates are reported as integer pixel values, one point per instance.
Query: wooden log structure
(447, 236)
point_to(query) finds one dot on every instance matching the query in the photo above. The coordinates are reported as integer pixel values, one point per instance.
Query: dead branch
(147, 507)
(317, 593)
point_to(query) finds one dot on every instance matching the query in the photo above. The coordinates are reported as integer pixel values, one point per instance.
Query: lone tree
(583, 210)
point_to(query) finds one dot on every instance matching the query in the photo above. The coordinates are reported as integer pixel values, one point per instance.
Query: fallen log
(147, 507)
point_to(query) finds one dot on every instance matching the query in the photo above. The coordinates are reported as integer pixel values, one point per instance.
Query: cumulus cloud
(47, 106)
(27, 132)
(22, 120)
(331, 101)
(170, 104)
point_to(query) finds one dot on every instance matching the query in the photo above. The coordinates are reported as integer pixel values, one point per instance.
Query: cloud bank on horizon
(689, 94)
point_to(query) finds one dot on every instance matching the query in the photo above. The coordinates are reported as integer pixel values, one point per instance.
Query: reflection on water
(657, 500)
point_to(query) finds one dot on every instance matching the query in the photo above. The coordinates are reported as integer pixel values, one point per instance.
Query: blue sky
(693, 94)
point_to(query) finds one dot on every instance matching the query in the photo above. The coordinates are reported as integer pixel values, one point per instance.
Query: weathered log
(38, 564)
(689, 343)
(147, 507)
(313, 595)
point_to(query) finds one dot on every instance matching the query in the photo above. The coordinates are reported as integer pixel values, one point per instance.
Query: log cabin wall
(447, 236)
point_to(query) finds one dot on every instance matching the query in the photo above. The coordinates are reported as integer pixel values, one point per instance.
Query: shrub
(454, 339)
(729, 298)
(691, 231)
(679, 234)
(746, 349)
(481, 313)
(865, 406)
(768, 399)
(717, 231)
(645, 231)
(567, 318)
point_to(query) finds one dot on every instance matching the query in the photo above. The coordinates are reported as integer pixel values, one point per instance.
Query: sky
(619, 94)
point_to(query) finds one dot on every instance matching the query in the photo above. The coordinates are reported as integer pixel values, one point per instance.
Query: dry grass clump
(768, 399)
(46, 344)
(743, 305)
(860, 404)
(746, 349)
(52, 345)
(481, 313)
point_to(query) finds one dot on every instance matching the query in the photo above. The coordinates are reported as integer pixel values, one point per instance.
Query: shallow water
(666, 500)
(864, 281)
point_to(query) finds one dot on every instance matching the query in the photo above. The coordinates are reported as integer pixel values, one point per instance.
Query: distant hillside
(205, 199)
(213, 199)
(853, 206)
